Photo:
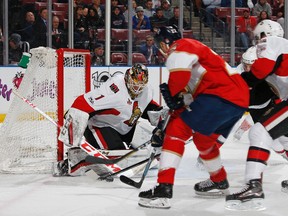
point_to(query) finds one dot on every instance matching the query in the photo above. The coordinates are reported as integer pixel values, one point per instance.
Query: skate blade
(251, 205)
(159, 203)
(214, 194)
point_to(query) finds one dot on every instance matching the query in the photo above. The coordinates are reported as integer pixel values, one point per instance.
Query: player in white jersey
(106, 116)
(271, 65)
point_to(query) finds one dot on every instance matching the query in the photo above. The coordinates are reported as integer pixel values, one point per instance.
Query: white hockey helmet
(249, 56)
(136, 79)
(268, 28)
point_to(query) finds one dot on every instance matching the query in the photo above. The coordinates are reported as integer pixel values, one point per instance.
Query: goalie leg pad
(74, 126)
(76, 162)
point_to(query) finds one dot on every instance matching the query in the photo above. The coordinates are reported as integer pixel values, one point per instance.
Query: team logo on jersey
(114, 88)
(91, 100)
(136, 114)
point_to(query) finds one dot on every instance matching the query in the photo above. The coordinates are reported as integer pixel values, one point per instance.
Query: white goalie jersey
(112, 105)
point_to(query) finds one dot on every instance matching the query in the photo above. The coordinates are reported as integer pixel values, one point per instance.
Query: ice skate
(284, 185)
(212, 189)
(249, 198)
(157, 197)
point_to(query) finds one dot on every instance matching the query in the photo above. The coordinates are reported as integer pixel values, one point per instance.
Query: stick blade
(130, 182)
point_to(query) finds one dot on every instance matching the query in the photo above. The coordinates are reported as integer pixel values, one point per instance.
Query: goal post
(62, 54)
(53, 79)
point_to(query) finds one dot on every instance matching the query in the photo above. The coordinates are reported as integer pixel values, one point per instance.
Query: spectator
(175, 19)
(97, 58)
(149, 50)
(96, 4)
(280, 18)
(26, 30)
(114, 3)
(140, 21)
(156, 4)
(249, 3)
(262, 5)
(246, 25)
(278, 6)
(15, 51)
(167, 10)
(40, 29)
(126, 13)
(85, 12)
(93, 20)
(59, 38)
(263, 15)
(141, 3)
(117, 19)
(80, 28)
(79, 3)
(158, 20)
(149, 11)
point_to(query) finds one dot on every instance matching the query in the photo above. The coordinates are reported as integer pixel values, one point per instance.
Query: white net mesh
(28, 142)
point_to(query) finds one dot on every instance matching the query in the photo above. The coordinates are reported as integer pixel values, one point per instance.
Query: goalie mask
(248, 58)
(136, 79)
(165, 36)
(267, 28)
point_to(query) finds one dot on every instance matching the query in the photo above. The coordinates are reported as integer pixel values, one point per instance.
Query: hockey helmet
(267, 28)
(136, 79)
(166, 34)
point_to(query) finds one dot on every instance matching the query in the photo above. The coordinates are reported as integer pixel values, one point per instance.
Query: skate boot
(60, 168)
(284, 185)
(157, 197)
(249, 198)
(212, 189)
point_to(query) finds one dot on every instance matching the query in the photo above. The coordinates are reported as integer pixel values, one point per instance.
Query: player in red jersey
(271, 66)
(207, 97)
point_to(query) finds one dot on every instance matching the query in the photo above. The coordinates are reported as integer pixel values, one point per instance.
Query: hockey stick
(84, 145)
(104, 177)
(91, 159)
(133, 183)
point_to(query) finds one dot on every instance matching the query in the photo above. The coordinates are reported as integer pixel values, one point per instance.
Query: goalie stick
(133, 183)
(91, 159)
(84, 145)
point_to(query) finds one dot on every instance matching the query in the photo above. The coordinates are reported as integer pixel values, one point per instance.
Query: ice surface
(44, 195)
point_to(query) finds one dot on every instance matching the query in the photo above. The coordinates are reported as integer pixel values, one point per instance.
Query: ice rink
(44, 195)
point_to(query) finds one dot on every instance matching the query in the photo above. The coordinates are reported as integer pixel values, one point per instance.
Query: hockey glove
(175, 102)
(157, 136)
